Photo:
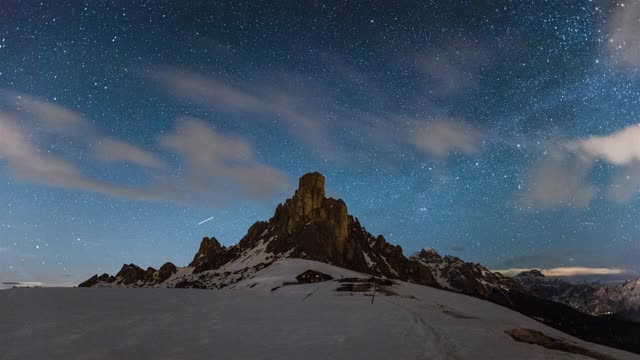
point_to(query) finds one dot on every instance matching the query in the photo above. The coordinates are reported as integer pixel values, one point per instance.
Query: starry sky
(502, 132)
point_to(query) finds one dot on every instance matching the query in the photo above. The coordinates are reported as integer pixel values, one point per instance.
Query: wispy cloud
(227, 164)
(624, 35)
(117, 151)
(49, 116)
(441, 138)
(303, 117)
(452, 70)
(624, 184)
(619, 148)
(558, 179)
(313, 114)
(233, 168)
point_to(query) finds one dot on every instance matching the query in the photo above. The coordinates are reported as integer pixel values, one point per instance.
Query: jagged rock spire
(210, 255)
(310, 207)
(311, 193)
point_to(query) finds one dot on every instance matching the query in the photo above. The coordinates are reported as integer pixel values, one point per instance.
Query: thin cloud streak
(303, 118)
(116, 151)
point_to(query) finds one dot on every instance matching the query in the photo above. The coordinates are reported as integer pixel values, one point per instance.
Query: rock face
(311, 224)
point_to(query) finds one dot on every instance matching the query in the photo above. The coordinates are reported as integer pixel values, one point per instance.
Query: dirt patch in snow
(538, 338)
(454, 313)
(377, 281)
(363, 287)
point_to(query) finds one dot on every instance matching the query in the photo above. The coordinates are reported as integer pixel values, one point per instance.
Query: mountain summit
(310, 226)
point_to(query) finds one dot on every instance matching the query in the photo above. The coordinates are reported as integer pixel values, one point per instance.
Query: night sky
(507, 134)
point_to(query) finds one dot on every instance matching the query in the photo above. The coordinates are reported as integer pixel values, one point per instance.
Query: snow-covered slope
(251, 320)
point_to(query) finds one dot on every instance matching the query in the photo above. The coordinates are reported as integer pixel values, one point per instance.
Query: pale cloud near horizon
(21, 151)
(565, 271)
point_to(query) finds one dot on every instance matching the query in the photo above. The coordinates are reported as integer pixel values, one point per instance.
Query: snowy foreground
(250, 321)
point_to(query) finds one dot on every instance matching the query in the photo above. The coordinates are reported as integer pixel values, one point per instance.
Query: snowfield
(250, 320)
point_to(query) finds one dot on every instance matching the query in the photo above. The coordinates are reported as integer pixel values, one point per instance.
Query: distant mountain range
(313, 227)
(595, 299)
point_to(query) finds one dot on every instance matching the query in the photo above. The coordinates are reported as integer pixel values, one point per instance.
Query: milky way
(504, 134)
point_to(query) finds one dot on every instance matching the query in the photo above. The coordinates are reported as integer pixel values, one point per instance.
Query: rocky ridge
(473, 279)
(308, 225)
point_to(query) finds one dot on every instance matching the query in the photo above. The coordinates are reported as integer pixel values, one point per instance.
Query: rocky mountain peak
(428, 254)
(308, 225)
(310, 208)
(534, 273)
(210, 255)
